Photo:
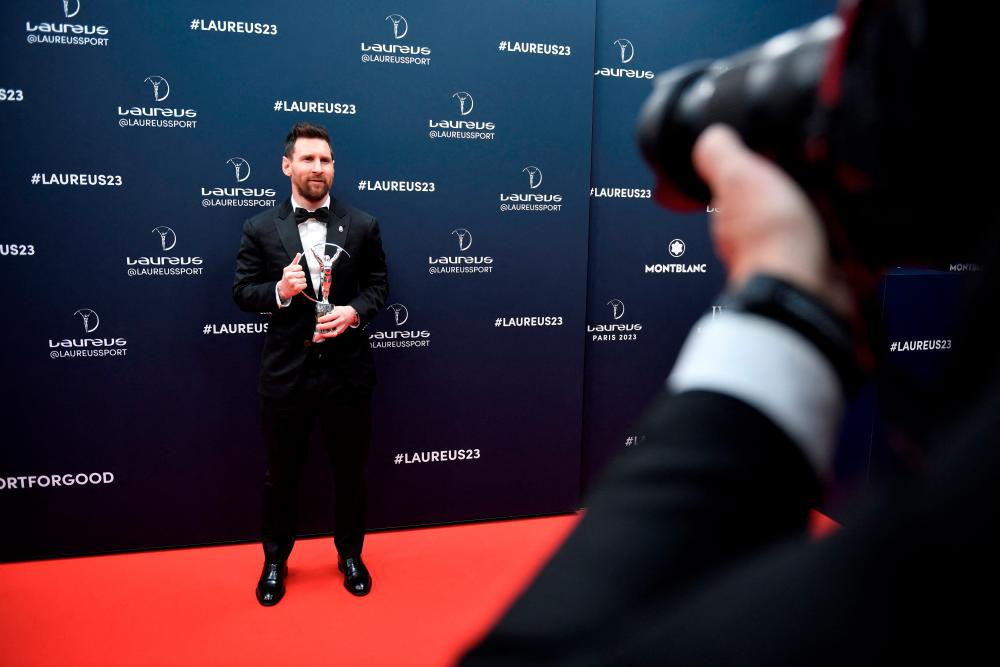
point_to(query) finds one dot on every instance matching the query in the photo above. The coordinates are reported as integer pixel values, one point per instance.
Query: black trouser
(344, 415)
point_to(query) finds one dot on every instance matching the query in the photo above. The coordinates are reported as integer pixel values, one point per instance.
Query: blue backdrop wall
(531, 317)
(653, 273)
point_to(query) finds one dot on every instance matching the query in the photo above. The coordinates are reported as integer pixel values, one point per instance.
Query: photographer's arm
(729, 466)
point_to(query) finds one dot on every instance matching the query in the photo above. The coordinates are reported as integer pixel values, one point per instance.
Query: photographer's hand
(764, 221)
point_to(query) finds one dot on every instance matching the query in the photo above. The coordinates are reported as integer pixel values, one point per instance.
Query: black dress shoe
(271, 585)
(357, 580)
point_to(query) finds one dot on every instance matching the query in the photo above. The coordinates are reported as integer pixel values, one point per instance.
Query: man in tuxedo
(313, 369)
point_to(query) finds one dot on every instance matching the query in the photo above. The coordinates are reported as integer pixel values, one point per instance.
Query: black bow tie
(321, 214)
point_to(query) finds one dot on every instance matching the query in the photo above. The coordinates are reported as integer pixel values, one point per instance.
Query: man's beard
(314, 190)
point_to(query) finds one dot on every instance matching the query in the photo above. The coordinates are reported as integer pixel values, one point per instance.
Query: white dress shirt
(311, 232)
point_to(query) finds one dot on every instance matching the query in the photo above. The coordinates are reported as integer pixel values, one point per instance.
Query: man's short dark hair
(305, 131)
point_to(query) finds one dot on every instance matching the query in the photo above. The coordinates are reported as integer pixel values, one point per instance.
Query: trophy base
(321, 310)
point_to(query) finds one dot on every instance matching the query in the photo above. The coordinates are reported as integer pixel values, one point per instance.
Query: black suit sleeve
(373, 278)
(253, 290)
(714, 481)
(694, 553)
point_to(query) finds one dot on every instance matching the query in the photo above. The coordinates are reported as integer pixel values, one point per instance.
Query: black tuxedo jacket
(269, 243)
(694, 552)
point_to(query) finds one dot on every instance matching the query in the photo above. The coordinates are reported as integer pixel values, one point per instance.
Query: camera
(843, 106)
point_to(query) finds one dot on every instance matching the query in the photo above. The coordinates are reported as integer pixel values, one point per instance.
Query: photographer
(695, 549)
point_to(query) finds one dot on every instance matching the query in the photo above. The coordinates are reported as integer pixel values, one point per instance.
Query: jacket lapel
(288, 232)
(339, 225)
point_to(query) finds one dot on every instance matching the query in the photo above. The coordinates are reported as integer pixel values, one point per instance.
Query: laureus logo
(235, 195)
(399, 313)
(534, 176)
(399, 25)
(397, 337)
(64, 32)
(464, 238)
(531, 202)
(85, 346)
(164, 265)
(465, 102)
(90, 319)
(242, 168)
(154, 115)
(460, 264)
(627, 51)
(161, 88)
(168, 239)
(395, 52)
(463, 129)
(676, 248)
(614, 331)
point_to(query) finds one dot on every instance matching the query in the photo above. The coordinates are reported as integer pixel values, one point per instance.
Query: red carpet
(435, 590)
(820, 525)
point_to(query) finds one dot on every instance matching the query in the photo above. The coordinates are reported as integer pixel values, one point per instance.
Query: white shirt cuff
(771, 368)
(277, 297)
